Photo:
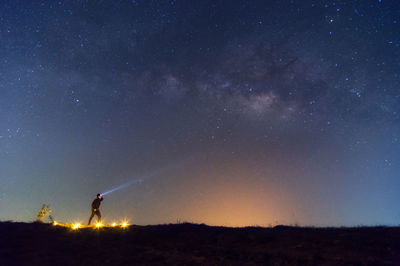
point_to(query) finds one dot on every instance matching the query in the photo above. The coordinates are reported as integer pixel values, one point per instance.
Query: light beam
(146, 176)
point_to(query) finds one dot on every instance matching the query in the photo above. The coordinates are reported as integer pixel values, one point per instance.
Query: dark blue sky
(249, 112)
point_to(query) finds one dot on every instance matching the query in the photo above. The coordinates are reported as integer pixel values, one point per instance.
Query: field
(193, 244)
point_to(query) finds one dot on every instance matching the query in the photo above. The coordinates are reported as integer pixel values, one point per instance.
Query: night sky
(220, 112)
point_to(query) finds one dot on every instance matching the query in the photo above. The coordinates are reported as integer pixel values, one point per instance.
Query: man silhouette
(95, 208)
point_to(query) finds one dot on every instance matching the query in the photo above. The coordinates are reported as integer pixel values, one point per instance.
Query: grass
(194, 244)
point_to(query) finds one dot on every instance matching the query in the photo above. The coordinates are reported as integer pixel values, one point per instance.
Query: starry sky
(221, 112)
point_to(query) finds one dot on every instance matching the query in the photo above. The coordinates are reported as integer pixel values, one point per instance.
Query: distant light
(114, 224)
(76, 226)
(124, 224)
(98, 225)
(54, 223)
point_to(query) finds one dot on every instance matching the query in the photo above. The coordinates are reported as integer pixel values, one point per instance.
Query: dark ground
(190, 244)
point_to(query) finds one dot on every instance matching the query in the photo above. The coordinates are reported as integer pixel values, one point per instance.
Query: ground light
(76, 226)
(124, 224)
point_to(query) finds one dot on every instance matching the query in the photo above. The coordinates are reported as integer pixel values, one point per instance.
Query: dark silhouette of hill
(193, 244)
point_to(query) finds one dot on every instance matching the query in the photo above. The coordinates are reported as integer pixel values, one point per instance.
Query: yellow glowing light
(124, 224)
(98, 225)
(114, 224)
(54, 223)
(75, 226)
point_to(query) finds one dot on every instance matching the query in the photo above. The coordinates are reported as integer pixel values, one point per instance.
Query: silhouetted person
(95, 208)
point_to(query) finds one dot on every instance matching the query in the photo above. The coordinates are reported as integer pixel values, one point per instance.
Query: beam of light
(143, 178)
(127, 184)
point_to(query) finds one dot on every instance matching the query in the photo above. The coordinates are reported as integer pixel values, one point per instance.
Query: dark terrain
(191, 244)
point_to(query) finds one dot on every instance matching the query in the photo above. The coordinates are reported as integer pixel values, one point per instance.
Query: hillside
(190, 244)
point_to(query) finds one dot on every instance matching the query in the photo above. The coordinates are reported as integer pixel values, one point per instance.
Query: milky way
(289, 110)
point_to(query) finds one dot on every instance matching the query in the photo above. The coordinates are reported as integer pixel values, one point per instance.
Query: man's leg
(91, 216)
(98, 216)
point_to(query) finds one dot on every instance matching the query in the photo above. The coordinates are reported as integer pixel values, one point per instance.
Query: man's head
(98, 196)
